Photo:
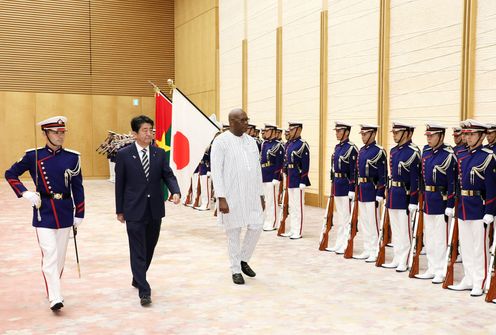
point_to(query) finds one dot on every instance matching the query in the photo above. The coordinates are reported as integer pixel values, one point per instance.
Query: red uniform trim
(485, 258)
(490, 200)
(301, 211)
(46, 188)
(44, 278)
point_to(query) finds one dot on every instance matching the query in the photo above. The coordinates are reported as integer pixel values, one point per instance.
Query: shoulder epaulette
(72, 151)
(449, 149)
(414, 147)
(33, 149)
(489, 151)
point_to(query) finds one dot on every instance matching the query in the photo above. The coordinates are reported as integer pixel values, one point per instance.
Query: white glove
(275, 182)
(303, 186)
(33, 198)
(209, 173)
(449, 212)
(379, 199)
(412, 208)
(351, 195)
(77, 222)
(488, 219)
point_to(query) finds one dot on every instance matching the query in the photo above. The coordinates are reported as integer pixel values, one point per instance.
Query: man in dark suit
(140, 171)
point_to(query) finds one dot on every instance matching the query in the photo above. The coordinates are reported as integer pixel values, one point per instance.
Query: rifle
(383, 237)
(198, 193)
(352, 226)
(280, 194)
(327, 223)
(189, 195)
(284, 210)
(452, 251)
(416, 247)
(491, 283)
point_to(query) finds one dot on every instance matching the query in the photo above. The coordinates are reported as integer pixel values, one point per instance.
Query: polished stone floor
(298, 289)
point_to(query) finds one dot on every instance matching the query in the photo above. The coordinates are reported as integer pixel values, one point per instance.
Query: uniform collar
(405, 145)
(476, 149)
(296, 139)
(50, 150)
(442, 146)
(345, 141)
(370, 145)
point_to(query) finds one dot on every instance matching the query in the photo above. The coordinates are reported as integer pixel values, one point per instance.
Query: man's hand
(223, 206)
(176, 199)
(33, 198)
(77, 222)
(120, 217)
(262, 199)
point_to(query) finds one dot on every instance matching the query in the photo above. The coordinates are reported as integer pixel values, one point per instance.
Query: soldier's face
(144, 136)
(267, 134)
(368, 137)
(397, 135)
(339, 134)
(457, 139)
(433, 140)
(55, 137)
(464, 138)
(474, 138)
(491, 137)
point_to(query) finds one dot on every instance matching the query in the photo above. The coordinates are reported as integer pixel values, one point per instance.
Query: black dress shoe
(238, 279)
(247, 270)
(57, 306)
(145, 300)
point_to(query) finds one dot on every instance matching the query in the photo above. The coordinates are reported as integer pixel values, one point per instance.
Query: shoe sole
(466, 289)
(57, 306)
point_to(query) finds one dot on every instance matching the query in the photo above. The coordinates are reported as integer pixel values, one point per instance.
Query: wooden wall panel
(45, 46)
(86, 46)
(196, 42)
(187, 10)
(425, 64)
(17, 126)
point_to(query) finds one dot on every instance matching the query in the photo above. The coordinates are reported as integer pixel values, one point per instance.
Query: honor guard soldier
(460, 141)
(343, 171)
(279, 134)
(271, 161)
(58, 200)
(439, 176)
(491, 137)
(205, 186)
(476, 208)
(297, 160)
(371, 178)
(402, 196)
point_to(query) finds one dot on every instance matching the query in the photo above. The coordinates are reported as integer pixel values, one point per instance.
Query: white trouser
(435, 241)
(238, 252)
(271, 210)
(111, 171)
(194, 187)
(296, 210)
(206, 192)
(53, 244)
(400, 231)
(340, 220)
(475, 251)
(368, 226)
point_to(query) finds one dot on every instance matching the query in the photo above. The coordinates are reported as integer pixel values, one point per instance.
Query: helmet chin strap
(48, 138)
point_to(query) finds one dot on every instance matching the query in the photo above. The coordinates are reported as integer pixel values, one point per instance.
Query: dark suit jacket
(132, 188)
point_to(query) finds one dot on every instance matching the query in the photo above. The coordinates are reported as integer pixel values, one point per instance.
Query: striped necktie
(145, 163)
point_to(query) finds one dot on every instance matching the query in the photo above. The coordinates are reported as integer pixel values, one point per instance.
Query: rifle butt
(381, 257)
(448, 280)
(348, 253)
(415, 268)
(491, 293)
(325, 241)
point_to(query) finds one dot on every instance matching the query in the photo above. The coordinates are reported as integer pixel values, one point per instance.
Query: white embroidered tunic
(237, 177)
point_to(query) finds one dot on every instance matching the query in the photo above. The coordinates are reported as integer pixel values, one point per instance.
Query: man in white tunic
(237, 179)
